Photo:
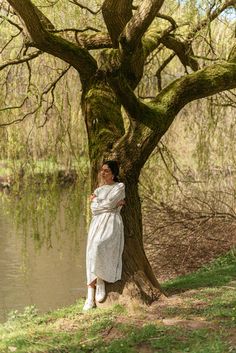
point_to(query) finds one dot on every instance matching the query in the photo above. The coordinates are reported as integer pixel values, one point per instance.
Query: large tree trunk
(138, 280)
(100, 106)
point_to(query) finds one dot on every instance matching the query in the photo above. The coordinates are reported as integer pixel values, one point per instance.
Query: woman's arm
(114, 199)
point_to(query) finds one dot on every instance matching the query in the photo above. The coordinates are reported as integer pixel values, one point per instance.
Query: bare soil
(178, 243)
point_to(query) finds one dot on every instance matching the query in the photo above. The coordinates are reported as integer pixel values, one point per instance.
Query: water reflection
(48, 277)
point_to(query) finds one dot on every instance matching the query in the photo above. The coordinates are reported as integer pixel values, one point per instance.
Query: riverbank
(198, 316)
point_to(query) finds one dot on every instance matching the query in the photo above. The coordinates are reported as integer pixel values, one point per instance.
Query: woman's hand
(120, 203)
(92, 197)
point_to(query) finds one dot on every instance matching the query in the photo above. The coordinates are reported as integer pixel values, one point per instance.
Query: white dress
(106, 235)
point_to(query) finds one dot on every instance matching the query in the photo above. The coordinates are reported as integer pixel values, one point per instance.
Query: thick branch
(153, 38)
(139, 23)
(136, 109)
(50, 43)
(159, 114)
(150, 121)
(203, 83)
(182, 49)
(94, 41)
(116, 15)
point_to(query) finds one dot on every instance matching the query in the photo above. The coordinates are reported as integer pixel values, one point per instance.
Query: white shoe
(100, 290)
(89, 304)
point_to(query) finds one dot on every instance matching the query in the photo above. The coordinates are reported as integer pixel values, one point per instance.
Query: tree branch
(76, 2)
(76, 30)
(89, 41)
(116, 15)
(203, 83)
(51, 88)
(94, 41)
(161, 68)
(210, 17)
(161, 111)
(136, 109)
(5, 18)
(42, 39)
(153, 38)
(14, 106)
(183, 49)
(139, 23)
(21, 60)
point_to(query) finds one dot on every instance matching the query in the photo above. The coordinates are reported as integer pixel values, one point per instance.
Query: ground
(197, 316)
(178, 243)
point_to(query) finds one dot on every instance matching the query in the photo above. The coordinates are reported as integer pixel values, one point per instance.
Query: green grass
(218, 273)
(116, 330)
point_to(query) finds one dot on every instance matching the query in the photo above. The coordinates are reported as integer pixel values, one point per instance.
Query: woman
(106, 235)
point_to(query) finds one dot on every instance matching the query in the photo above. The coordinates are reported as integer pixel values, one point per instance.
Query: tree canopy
(135, 33)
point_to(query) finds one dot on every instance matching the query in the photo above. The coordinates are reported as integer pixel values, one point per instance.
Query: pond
(45, 271)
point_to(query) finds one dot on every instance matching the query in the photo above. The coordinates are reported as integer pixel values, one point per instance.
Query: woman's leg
(90, 301)
(100, 290)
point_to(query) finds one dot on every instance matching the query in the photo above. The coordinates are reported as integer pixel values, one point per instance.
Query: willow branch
(14, 106)
(210, 17)
(161, 68)
(5, 18)
(13, 36)
(76, 30)
(19, 120)
(21, 60)
(76, 2)
(37, 26)
(51, 89)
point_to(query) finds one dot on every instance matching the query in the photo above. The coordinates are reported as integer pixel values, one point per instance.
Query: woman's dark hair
(114, 167)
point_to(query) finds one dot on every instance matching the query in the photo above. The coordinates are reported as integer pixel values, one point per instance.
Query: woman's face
(106, 174)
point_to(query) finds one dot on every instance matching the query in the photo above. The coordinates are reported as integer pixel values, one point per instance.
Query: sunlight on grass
(115, 330)
(218, 273)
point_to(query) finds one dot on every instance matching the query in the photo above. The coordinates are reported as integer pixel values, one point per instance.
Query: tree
(111, 65)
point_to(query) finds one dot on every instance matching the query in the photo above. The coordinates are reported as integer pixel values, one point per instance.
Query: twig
(15, 106)
(51, 88)
(21, 60)
(76, 30)
(76, 2)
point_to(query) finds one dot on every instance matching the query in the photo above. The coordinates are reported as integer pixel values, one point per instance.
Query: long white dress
(106, 235)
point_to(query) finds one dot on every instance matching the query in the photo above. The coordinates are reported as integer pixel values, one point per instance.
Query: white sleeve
(109, 204)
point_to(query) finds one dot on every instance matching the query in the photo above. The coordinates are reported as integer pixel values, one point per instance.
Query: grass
(201, 318)
(218, 273)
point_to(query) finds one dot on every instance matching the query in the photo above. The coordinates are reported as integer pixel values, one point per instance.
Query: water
(49, 276)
